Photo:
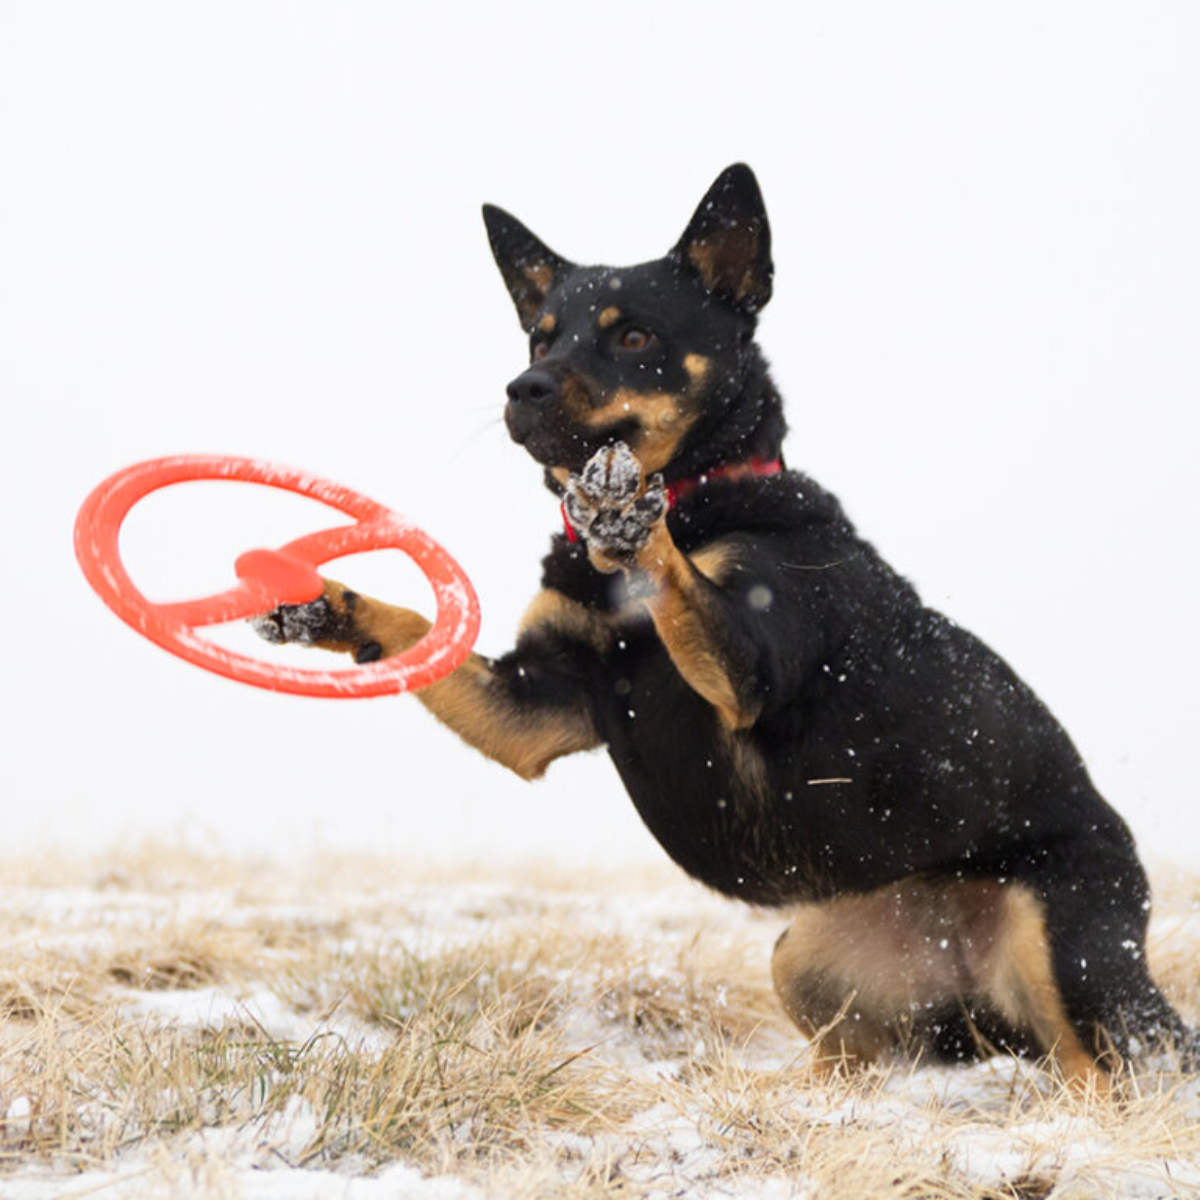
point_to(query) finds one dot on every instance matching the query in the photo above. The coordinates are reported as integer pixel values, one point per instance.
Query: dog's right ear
(529, 267)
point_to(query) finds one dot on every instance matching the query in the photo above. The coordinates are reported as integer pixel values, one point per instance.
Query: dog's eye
(635, 339)
(540, 350)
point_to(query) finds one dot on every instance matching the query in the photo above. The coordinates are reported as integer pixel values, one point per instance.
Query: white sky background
(254, 229)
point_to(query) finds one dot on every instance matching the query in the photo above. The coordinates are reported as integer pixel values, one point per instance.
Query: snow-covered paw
(612, 505)
(307, 624)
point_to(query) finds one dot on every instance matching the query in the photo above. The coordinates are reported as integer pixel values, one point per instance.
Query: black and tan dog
(793, 725)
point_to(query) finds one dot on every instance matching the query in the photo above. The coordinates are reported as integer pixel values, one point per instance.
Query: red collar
(684, 487)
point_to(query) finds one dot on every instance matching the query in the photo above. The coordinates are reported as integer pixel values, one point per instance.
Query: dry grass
(553, 1037)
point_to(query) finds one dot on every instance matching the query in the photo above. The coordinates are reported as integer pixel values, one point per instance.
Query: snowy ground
(179, 1025)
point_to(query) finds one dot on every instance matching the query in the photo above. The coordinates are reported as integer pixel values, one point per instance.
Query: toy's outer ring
(171, 626)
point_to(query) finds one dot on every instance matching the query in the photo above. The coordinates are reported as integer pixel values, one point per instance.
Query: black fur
(368, 652)
(894, 742)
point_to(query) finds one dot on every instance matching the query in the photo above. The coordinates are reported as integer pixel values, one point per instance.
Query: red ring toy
(272, 577)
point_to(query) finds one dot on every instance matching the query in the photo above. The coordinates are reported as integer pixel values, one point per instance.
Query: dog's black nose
(531, 386)
(527, 397)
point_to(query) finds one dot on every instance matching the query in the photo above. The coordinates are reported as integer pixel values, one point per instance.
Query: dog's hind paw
(613, 506)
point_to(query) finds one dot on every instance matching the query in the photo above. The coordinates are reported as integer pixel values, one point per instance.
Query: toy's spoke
(270, 578)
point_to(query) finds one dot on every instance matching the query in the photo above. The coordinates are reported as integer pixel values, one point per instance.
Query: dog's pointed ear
(529, 266)
(728, 242)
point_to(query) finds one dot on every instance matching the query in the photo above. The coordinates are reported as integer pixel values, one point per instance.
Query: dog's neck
(748, 469)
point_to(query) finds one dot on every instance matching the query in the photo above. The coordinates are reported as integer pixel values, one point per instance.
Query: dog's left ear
(529, 266)
(728, 242)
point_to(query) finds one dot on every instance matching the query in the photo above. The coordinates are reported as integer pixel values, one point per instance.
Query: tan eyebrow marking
(609, 316)
(696, 365)
(547, 323)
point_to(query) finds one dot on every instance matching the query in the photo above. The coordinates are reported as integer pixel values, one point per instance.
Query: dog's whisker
(488, 427)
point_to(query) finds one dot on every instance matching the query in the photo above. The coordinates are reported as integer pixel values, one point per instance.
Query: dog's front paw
(304, 623)
(613, 506)
(324, 620)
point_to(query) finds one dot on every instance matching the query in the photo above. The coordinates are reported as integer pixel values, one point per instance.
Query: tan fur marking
(541, 275)
(649, 407)
(547, 324)
(560, 475)
(885, 946)
(713, 561)
(1024, 988)
(608, 316)
(661, 415)
(697, 367)
(684, 626)
(469, 699)
(915, 944)
(726, 259)
(704, 259)
(469, 702)
(657, 445)
(550, 609)
(687, 629)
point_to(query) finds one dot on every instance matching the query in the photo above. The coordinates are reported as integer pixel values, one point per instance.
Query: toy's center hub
(279, 577)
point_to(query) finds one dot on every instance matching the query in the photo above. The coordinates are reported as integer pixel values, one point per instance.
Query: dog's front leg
(519, 710)
(623, 521)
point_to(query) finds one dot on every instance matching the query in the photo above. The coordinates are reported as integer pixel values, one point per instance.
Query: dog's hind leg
(889, 970)
(845, 1022)
(1018, 977)
(1095, 907)
(958, 967)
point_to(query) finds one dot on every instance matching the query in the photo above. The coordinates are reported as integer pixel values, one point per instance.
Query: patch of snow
(217, 1007)
(399, 1182)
